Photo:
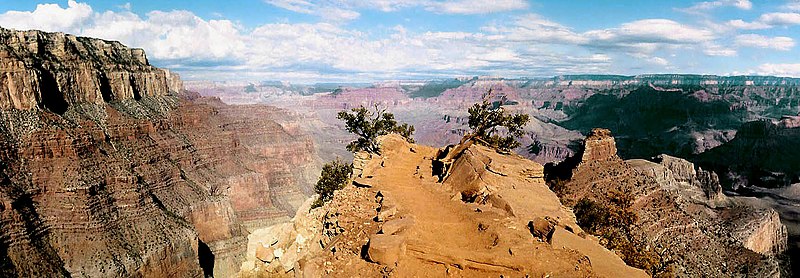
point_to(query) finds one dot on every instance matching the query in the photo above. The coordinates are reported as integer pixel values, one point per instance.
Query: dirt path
(455, 238)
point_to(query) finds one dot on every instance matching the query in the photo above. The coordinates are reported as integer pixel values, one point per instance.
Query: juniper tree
(495, 127)
(368, 125)
(335, 175)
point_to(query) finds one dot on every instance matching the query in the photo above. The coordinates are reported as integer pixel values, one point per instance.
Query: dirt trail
(451, 237)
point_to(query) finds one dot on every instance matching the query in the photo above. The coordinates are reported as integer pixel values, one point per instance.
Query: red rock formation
(105, 171)
(599, 146)
(681, 212)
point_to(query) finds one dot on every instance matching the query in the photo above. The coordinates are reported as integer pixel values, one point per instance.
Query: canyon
(699, 118)
(110, 168)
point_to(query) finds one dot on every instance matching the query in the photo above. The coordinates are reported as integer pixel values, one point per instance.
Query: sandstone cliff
(108, 168)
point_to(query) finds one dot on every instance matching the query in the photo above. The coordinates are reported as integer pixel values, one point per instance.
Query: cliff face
(681, 211)
(55, 70)
(599, 146)
(107, 168)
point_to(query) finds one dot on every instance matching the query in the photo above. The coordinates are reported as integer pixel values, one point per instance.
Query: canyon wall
(109, 168)
(681, 212)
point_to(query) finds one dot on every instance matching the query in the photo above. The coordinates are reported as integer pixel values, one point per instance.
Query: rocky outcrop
(683, 216)
(54, 71)
(599, 146)
(763, 233)
(401, 220)
(109, 168)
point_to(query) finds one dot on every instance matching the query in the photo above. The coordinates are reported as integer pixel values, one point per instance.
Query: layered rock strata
(684, 216)
(108, 168)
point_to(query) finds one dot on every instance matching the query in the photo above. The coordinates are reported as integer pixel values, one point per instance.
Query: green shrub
(613, 221)
(485, 119)
(368, 125)
(335, 175)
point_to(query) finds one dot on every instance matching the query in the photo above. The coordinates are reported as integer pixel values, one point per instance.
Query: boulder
(386, 249)
(541, 228)
(265, 253)
(385, 212)
(396, 226)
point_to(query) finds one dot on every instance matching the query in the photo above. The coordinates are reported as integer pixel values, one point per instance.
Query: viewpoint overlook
(137, 157)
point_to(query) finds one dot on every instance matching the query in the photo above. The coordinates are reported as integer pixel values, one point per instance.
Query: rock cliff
(109, 168)
(56, 70)
(682, 214)
(599, 146)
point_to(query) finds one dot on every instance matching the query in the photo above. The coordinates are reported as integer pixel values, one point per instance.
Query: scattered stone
(385, 212)
(264, 253)
(278, 253)
(361, 184)
(386, 249)
(396, 226)
(541, 228)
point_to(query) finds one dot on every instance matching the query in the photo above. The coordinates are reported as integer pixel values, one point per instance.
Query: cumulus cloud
(49, 17)
(789, 70)
(526, 45)
(741, 24)
(780, 19)
(703, 7)
(654, 31)
(759, 41)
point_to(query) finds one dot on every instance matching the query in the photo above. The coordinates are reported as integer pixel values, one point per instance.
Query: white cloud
(476, 6)
(527, 45)
(49, 17)
(713, 49)
(165, 35)
(780, 19)
(533, 27)
(703, 7)
(790, 70)
(793, 5)
(759, 41)
(741, 24)
(347, 9)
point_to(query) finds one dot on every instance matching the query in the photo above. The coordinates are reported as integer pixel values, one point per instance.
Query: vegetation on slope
(492, 126)
(369, 125)
(335, 175)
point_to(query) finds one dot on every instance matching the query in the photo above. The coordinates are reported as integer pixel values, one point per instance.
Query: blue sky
(370, 40)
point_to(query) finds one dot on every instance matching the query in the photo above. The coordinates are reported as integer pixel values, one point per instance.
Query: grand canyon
(117, 164)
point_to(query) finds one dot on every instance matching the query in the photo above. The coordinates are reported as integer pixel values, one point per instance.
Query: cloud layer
(523, 45)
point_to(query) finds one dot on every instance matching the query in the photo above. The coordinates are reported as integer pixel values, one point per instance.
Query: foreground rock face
(402, 221)
(108, 169)
(684, 216)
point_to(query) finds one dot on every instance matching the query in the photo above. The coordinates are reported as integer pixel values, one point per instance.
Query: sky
(306, 41)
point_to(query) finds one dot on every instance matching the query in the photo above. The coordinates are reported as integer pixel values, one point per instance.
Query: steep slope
(107, 168)
(681, 212)
(491, 215)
